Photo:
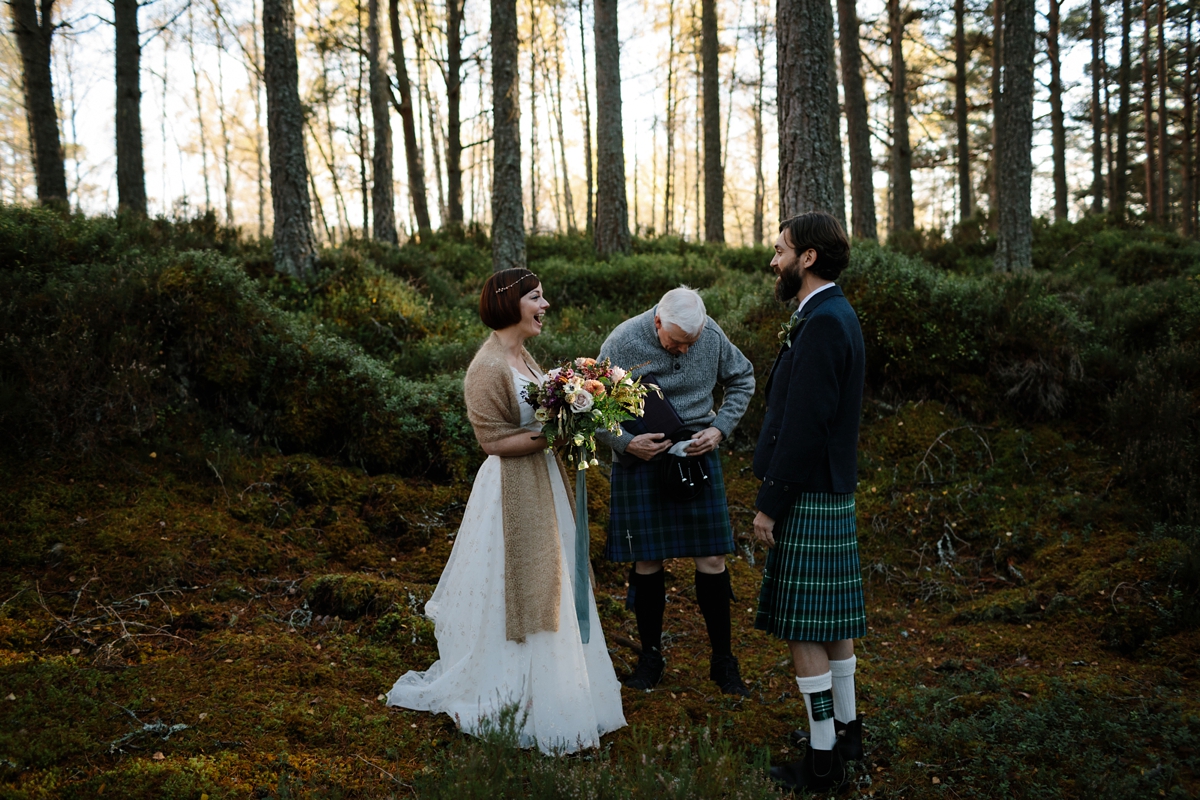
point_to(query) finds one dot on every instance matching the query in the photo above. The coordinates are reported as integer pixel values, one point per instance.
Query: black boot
(713, 593)
(817, 771)
(650, 600)
(849, 738)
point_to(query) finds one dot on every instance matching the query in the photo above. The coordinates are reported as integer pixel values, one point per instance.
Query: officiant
(668, 493)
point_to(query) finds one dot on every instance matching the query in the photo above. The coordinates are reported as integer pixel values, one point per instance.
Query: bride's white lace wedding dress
(567, 690)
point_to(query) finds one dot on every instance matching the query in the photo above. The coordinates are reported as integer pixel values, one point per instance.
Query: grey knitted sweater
(688, 381)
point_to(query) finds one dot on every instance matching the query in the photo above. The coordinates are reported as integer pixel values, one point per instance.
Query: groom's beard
(787, 284)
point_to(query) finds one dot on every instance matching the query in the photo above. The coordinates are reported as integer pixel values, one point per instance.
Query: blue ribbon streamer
(582, 557)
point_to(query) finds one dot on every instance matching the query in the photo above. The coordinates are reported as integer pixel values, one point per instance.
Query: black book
(659, 415)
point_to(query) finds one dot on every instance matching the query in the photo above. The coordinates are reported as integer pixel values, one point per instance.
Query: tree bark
(1121, 181)
(1058, 129)
(810, 148)
(714, 179)
(412, 151)
(508, 213)
(256, 77)
(454, 190)
(1098, 33)
(995, 186)
(295, 245)
(535, 187)
(587, 127)
(364, 179)
(1014, 245)
(858, 132)
(1189, 120)
(965, 200)
(559, 114)
(1150, 164)
(669, 157)
(900, 217)
(1164, 118)
(33, 39)
(760, 182)
(191, 40)
(131, 170)
(612, 210)
(383, 220)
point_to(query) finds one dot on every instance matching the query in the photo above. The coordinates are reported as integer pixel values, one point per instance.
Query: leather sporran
(683, 479)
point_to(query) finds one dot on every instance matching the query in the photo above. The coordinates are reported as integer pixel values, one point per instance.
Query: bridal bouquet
(581, 397)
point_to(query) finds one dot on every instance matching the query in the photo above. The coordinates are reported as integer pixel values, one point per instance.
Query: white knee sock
(843, 689)
(818, 701)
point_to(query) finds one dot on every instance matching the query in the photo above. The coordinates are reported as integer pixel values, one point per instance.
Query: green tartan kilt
(812, 583)
(645, 526)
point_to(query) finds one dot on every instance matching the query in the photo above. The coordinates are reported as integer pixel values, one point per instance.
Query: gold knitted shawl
(532, 550)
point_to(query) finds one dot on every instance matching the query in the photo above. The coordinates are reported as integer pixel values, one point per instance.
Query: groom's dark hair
(823, 233)
(500, 299)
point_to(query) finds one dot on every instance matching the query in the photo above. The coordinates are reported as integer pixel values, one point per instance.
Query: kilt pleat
(812, 583)
(645, 526)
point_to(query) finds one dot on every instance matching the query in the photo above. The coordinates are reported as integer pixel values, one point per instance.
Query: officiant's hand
(705, 442)
(764, 529)
(648, 445)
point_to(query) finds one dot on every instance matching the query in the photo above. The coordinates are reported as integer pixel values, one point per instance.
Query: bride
(503, 609)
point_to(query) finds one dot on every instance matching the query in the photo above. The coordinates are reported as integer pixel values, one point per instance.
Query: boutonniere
(786, 328)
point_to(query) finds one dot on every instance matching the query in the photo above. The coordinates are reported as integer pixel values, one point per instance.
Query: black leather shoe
(849, 739)
(649, 672)
(818, 771)
(724, 672)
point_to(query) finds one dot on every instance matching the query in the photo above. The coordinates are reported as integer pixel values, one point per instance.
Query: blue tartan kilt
(645, 526)
(812, 583)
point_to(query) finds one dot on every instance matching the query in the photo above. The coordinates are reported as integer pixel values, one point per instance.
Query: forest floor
(206, 623)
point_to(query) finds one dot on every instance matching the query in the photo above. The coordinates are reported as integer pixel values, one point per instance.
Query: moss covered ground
(171, 633)
(225, 497)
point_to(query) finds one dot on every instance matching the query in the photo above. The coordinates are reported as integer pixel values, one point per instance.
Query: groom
(689, 356)
(807, 460)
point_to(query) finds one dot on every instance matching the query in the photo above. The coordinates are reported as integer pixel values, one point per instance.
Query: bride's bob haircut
(500, 299)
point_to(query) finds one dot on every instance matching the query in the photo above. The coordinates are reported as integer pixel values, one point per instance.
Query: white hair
(684, 308)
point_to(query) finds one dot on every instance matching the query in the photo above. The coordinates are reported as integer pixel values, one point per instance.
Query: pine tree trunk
(669, 156)
(612, 210)
(383, 221)
(454, 22)
(364, 180)
(131, 171)
(965, 200)
(1189, 119)
(587, 127)
(256, 77)
(535, 187)
(760, 181)
(858, 132)
(568, 199)
(295, 246)
(1098, 32)
(714, 179)
(1057, 127)
(995, 185)
(226, 144)
(1014, 245)
(1121, 181)
(1148, 132)
(900, 217)
(1164, 117)
(33, 40)
(196, 96)
(810, 148)
(412, 151)
(508, 213)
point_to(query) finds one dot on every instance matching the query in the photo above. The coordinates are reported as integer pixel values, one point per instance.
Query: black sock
(649, 603)
(713, 593)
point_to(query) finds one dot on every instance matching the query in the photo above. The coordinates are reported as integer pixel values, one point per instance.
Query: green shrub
(97, 353)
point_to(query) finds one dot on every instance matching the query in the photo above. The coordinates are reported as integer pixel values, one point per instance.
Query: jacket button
(770, 483)
(773, 438)
(678, 365)
(786, 488)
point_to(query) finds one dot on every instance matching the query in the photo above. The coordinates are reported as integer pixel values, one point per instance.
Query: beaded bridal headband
(518, 280)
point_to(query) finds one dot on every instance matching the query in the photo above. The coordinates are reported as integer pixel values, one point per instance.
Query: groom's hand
(705, 442)
(648, 445)
(764, 529)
